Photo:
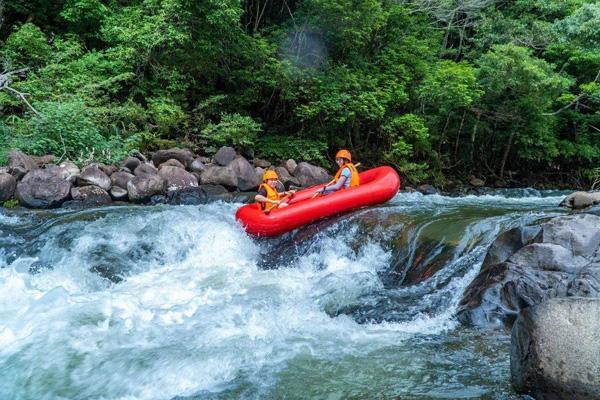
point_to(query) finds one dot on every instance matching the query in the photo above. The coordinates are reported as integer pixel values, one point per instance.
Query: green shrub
(70, 130)
(27, 46)
(282, 148)
(10, 203)
(233, 129)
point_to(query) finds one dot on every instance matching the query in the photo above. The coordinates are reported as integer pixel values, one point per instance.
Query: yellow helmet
(344, 154)
(269, 174)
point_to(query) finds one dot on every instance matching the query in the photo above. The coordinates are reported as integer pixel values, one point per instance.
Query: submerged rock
(527, 265)
(43, 188)
(198, 195)
(555, 350)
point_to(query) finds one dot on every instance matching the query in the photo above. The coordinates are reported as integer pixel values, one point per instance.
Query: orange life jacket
(354, 178)
(272, 194)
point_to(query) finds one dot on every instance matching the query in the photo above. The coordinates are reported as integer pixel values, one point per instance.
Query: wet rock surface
(559, 257)
(555, 350)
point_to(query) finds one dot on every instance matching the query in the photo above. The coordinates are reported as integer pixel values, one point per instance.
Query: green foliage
(69, 130)
(26, 46)
(278, 147)
(233, 130)
(432, 87)
(11, 203)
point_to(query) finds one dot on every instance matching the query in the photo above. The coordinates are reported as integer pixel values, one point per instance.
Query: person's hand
(292, 191)
(283, 205)
(278, 202)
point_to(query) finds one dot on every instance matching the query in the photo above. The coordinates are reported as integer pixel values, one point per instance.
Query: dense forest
(503, 90)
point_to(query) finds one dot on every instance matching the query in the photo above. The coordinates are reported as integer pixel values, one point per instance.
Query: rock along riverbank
(172, 176)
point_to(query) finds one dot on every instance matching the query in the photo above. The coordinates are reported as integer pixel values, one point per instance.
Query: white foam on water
(193, 311)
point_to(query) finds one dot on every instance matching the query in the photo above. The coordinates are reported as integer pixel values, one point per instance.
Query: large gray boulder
(171, 162)
(555, 350)
(19, 164)
(285, 178)
(90, 195)
(142, 188)
(43, 188)
(184, 156)
(131, 163)
(215, 175)
(198, 195)
(426, 189)
(197, 165)
(559, 257)
(310, 175)
(290, 165)
(121, 179)
(580, 200)
(246, 176)
(177, 178)
(224, 156)
(69, 171)
(8, 184)
(118, 193)
(261, 163)
(145, 169)
(93, 175)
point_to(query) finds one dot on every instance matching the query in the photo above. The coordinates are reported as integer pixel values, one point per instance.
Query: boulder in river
(290, 165)
(171, 162)
(8, 184)
(476, 182)
(121, 179)
(310, 175)
(118, 193)
(145, 169)
(246, 176)
(285, 178)
(131, 163)
(197, 165)
(198, 195)
(555, 350)
(43, 188)
(69, 171)
(142, 188)
(580, 200)
(559, 257)
(20, 164)
(257, 162)
(90, 195)
(177, 178)
(215, 175)
(184, 156)
(426, 189)
(93, 175)
(224, 156)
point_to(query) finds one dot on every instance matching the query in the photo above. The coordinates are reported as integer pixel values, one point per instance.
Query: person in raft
(346, 177)
(268, 197)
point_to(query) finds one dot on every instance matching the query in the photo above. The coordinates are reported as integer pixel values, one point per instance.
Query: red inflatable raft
(377, 186)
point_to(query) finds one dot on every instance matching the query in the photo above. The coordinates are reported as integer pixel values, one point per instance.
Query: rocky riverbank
(173, 176)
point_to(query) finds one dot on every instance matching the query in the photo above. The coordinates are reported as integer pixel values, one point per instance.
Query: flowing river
(177, 302)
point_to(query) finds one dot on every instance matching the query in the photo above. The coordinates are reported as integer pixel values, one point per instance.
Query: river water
(177, 302)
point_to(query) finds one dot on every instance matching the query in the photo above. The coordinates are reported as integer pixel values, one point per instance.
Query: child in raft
(268, 197)
(346, 177)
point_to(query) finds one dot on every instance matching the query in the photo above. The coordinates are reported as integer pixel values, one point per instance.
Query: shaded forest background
(508, 91)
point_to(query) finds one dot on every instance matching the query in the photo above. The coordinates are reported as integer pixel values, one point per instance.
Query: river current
(177, 302)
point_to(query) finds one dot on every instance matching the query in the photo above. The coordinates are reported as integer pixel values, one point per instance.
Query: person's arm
(262, 199)
(336, 186)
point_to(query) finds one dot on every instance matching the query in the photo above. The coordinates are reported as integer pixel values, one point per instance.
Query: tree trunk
(462, 121)
(506, 152)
